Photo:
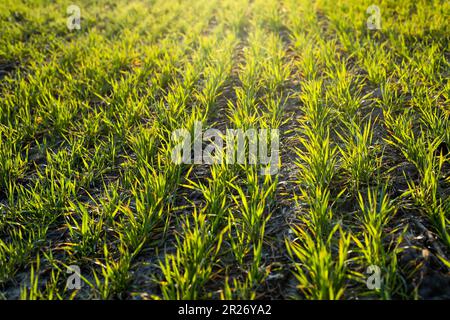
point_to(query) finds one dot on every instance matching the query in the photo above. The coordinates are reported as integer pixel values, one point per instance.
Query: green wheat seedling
(320, 273)
(423, 153)
(188, 270)
(427, 195)
(377, 210)
(358, 155)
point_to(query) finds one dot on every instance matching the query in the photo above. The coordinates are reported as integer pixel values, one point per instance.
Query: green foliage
(86, 123)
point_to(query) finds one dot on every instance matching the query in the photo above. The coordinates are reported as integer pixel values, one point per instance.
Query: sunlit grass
(87, 177)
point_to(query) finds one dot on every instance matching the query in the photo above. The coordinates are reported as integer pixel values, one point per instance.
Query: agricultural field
(224, 149)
